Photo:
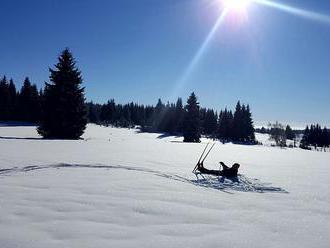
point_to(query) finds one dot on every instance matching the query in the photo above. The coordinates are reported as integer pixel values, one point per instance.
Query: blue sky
(138, 50)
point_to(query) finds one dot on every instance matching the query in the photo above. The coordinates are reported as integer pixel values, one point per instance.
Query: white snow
(122, 188)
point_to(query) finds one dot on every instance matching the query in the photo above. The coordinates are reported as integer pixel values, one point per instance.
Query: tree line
(315, 136)
(60, 110)
(176, 118)
(280, 133)
(19, 105)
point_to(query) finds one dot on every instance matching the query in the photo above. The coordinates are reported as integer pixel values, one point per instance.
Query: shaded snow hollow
(122, 188)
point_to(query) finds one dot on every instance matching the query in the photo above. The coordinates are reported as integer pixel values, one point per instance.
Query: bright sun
(236, 5)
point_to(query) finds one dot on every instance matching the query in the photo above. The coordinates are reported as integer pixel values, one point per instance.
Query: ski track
(242, 183)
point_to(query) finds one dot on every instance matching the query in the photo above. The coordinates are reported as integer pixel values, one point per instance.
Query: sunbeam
(296, 11)
(236, 5)
(181, 82)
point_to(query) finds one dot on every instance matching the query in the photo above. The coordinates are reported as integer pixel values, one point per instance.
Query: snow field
(121, 188)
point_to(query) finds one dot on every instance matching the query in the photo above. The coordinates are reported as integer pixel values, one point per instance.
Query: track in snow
(242, 183)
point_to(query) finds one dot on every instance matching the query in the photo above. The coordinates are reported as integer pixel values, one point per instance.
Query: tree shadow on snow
(37, 138)
(20, 138)
(167, 135)
(16, 124)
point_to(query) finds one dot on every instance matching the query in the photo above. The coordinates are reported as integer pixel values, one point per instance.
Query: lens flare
(193, 63)
(240, 7)
(295, 11)
(236, 5)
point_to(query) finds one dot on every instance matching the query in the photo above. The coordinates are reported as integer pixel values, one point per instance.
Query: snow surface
(122, 188)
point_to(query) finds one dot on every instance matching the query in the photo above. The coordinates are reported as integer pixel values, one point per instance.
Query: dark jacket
(226, 172)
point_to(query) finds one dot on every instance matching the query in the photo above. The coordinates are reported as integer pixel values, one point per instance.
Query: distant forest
(26, 105)
(170, 118)
(313, 135)
(189, 119)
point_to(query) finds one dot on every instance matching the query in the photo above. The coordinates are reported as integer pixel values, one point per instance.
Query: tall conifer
(64, 110)
(191, 124)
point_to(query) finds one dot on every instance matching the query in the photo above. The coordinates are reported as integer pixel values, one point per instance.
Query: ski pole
(201, 157)
(208, 152)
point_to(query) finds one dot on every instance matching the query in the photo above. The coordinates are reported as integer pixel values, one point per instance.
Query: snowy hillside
(122, 188)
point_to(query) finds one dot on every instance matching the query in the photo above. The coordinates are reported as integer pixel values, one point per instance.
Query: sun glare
(236, 5)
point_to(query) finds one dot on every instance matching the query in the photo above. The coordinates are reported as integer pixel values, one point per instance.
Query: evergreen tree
(29, 102)
(324, 141)
(64, 114)
(93, 111)
(225, 124)
(210, 123)
(179, 115)
(158, 115)
(242, 129)
(191, 123)
(249, 135)
(12, 100)
(237, 126)
(305, 139)
(4, 100)
(289, 133)
(108, 112)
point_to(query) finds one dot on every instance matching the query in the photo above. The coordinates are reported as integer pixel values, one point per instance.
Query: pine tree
(24, 101)
(305, 139)
(249, 135)
(4, 100)
(237, 123)
(324, 141)
(210, 123)
(64, 112)
(179, 115)
(289, 133)
(13, 100)
(108, 112)
(225, 124)
(158, 116)
(92, 112)
(29, 102)
(191, 123)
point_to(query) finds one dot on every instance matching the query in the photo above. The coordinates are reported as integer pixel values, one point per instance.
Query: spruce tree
(324, 141)
(29, 102)
(248, 125)
(289, 133)
(225, 122)
(210, 123)
(179, 115)
(237, 126)
(4, 100)
(305, 139)
(191, 123)
(12, 100)
(64, 110)
(158, 116)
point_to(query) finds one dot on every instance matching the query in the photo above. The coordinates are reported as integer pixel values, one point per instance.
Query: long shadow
(16, 124)
(19, 138)
(35, 138)
(166, 135)
(160, 134)
(242, 183)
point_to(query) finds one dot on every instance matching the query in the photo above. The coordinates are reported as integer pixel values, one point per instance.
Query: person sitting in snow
(225, 172)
